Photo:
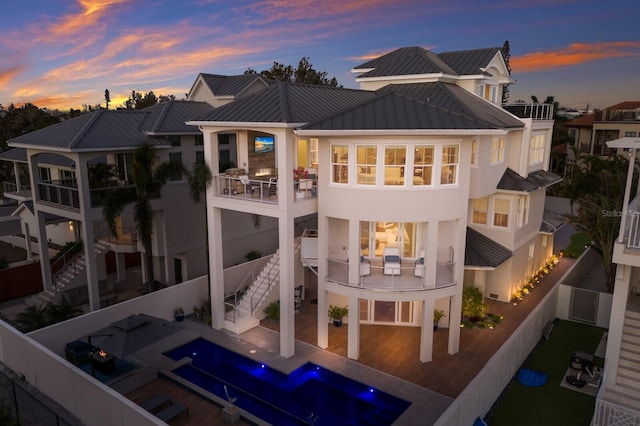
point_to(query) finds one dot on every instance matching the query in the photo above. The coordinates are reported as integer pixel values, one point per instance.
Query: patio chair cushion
(77, 352)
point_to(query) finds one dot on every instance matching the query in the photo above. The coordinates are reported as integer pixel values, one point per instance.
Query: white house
(422, 183)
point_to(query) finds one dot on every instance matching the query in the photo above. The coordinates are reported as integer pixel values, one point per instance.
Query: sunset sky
(59, 54)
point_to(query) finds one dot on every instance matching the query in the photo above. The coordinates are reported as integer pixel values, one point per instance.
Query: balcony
(632, 227)
(98, 195)
(60, 193)
(21, 193)
(259, 190)
(406, 278)
(532, 111)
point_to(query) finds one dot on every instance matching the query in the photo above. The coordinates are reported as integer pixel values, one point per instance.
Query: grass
(550, 404)
(579, 242)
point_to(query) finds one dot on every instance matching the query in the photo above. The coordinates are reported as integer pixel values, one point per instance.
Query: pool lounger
(155, 402)
(172, 411)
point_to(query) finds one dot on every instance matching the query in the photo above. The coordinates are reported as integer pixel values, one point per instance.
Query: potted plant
(178, 314)
(437, 316)
(336, 313)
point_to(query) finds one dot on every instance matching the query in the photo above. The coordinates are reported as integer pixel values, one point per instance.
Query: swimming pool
(309, 395)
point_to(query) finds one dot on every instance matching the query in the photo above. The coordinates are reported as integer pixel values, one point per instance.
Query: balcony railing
(63, 193)
(533, 111)
(98, 195)
(11, 188)
(405, 278)
(261, 191)
(610, 414)
(632, 225)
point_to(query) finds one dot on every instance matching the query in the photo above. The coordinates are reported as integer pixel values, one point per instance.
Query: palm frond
(199, 180)
(143, 215)
(114, 202)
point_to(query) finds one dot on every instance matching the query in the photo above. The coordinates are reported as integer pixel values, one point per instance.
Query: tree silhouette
(506, 55)
(304, 73)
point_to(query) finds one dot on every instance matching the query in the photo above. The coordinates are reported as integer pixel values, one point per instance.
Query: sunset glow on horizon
(64, 54)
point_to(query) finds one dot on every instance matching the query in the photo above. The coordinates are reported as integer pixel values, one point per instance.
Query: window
(45, 174)
(480, 211)
(449, 169)
(523, 211)
(501, 212)
(125, 165)
(340, 163)
(488, 92)
(174, 140)
(544, 240)
(474, 151)
(630, 134)
(394, 161)
(536, 149)
(366, 158)
(199, 140)
(175, 157)
(313, 152)
(532, 250)
(497, 150)
(423, 165)
(199, 157)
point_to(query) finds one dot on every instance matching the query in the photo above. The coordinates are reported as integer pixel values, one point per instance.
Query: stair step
(632, 314)
(632, 322)
(630, 386)
(630, 330)
(629, 361)
(630, 340)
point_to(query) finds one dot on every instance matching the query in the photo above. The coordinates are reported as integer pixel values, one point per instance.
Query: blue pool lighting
(304, 396)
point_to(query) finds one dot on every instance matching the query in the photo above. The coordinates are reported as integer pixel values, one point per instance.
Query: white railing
(59, 193)
(262, 191)
(534, 111)
(13, 188)
(265, 285)
(407, 277)
(610, 414)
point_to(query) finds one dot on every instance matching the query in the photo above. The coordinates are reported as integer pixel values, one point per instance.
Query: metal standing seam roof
(171, 117)
(95, 131)
(419, 106)
(405, 61)
(20, 155)
(482, 251)
(512, 181)
(418, 61)
(233, 85)
(289, 103)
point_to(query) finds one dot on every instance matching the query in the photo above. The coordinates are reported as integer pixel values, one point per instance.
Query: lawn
(550, 404)
(578, 244)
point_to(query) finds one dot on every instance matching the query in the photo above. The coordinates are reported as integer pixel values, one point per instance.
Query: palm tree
(32, 318)
(148, 182)
(62, 311)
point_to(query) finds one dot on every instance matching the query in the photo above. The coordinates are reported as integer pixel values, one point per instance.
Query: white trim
(245, 125)
(403, 132)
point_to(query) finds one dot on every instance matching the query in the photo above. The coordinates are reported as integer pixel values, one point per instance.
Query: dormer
(219, 90)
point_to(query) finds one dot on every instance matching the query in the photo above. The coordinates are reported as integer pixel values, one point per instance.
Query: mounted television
(263, 144)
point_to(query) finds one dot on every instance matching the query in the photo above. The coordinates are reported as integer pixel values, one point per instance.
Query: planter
(179, 317)
(337, 322)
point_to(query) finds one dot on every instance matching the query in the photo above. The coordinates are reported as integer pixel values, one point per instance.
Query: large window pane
(366, 159)
(449, 170)
(480, 210)
(501, 212)
(340, 163)
(423, 165)
(394, 162)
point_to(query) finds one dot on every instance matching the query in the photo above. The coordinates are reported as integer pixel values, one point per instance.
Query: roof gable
(171, 117)
(405, 61)
(224, 85)
(512, 181)
(482, 251)
(471, 62)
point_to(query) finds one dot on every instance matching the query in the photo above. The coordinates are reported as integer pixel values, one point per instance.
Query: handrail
(241, 286)
(233, 309)
(66, 265)
(263, 295)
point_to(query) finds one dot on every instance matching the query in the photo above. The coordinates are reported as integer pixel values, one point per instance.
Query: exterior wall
(485, 176)
(57, 233)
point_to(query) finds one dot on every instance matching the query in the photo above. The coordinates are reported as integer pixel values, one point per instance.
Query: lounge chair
(156, 402)
(172, 411)
(77, 352)
(419, 265)
(365, 266)
(391, 262)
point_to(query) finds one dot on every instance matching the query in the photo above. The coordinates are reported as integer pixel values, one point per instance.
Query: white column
(43, 248)
(287, 284)
(426, 331)
(121, 267)
(354, 252)
(627, 192)
(91, 266)
(27, 241)
(323, 254)
(431, 255)
(353, 331)
(216, 271)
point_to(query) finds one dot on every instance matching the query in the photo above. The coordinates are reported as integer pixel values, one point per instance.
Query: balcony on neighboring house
(60, 193)
(98, 195)
(532, 111)
(617, 115)
(17, 192)
(631, 236)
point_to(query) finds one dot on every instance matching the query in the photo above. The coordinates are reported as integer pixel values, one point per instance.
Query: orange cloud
(90, 14)
(8, 74)
(574, 54)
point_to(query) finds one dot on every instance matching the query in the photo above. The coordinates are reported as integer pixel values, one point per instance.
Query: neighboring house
(422, 183)
(618, 400)
(54, 175)
(589, 134)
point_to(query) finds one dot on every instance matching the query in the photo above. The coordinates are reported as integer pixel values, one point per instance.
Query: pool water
(309, 395)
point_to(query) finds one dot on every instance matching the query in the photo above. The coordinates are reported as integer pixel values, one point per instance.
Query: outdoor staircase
(75, 266)
(264, 290)
(627, 388)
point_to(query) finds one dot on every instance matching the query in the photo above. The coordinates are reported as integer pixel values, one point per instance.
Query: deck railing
(534, 111)
(63, 193)
(261, 191)
(13, 188)
(610, 414)
(632, 225)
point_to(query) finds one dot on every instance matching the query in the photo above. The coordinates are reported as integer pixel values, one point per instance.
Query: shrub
(273, 312)
(253, 255)
(473, 306)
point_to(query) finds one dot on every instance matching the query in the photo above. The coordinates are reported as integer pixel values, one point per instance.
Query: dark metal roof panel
(406, 61)
(289, 103)
(97, 130)
(482, 251)
(419, 106)
(512, 181)
(171, 117)
(233, 85)
(469, 62)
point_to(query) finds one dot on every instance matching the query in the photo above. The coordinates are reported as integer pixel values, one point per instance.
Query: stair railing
(264, 285)
(66, 261)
